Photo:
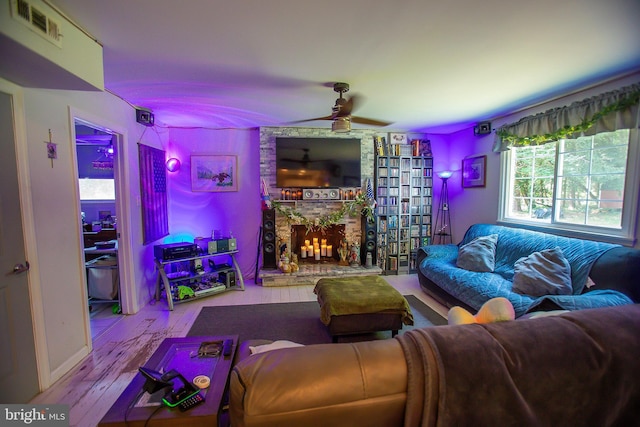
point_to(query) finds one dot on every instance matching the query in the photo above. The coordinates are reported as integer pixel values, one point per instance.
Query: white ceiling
(426, 65)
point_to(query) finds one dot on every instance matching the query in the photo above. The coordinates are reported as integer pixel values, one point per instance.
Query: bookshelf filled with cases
(404, 197)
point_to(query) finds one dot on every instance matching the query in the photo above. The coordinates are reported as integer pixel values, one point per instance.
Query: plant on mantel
(360, 205)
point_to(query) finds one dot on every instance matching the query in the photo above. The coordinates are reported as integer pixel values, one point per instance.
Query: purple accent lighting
(173, 164)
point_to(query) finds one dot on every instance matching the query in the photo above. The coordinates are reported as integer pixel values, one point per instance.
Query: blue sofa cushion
(594, 299)
(543, 273)
(479, 254)
(472, 287)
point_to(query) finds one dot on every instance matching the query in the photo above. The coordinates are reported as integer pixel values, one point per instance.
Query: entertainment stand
(210, 280)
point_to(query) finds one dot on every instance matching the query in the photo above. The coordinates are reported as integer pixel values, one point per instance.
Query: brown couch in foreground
(580, 368)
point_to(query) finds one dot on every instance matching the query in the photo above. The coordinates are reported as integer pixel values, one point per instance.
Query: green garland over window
(358, 206)
(568, 131)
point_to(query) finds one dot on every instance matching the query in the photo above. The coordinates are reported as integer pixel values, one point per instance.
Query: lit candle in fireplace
(303, 251)
(310, 251)
(323, 250)
(329, 251)
(323, 241)
(307, 243)
(317, 253)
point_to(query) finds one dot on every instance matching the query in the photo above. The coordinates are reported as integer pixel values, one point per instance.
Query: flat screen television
(317, 162)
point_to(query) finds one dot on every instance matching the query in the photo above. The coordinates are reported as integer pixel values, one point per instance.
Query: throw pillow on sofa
(479, 254)
(543, 273)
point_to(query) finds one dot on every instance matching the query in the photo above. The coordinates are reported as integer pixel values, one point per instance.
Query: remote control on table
(191, 402)
(227, 347)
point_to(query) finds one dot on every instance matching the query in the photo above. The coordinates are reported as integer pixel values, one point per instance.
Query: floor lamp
(442, 233)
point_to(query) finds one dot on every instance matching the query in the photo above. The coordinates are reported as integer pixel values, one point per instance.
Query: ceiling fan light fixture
(341, 125)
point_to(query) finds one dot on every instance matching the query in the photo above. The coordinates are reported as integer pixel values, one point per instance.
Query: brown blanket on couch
(358, 295)
(512, 373)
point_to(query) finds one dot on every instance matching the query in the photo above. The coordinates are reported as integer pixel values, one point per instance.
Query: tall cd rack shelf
(404, 195)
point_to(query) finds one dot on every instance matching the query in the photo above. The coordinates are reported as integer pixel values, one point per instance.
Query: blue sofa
(613, 272)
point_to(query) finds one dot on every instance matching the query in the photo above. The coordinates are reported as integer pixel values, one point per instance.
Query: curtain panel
(607, 112)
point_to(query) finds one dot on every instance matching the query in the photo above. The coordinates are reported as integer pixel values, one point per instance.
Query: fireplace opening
(330, 237)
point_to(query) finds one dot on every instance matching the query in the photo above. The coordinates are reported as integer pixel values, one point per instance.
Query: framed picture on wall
(214, 173)
(474, 171)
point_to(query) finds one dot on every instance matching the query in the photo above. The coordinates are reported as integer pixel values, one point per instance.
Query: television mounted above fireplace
(318, 162)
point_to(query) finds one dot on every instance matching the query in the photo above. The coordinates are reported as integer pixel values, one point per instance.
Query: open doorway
(97, 160)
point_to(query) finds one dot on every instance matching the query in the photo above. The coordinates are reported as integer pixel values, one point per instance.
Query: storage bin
(102, 278)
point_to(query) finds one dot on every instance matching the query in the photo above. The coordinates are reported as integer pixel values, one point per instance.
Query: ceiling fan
(341, 112)
(305, 160)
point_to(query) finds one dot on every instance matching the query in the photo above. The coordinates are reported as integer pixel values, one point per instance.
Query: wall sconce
(173, 164)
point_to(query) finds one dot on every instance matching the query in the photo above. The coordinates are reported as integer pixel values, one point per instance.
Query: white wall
(196, 214)
(59, 274)
(474, 205)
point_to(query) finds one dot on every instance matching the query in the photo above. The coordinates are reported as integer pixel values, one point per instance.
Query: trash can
(102, 277)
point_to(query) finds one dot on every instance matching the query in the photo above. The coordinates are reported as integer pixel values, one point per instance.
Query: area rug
(295, 321)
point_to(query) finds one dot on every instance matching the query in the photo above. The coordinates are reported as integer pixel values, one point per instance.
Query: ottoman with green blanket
(360, 305)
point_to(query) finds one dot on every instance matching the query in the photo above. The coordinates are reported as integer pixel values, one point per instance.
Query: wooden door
(18, 364)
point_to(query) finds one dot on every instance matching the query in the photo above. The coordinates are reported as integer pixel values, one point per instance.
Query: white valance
(603, 113)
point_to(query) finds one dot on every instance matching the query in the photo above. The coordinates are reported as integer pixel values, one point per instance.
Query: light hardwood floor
(93, 385)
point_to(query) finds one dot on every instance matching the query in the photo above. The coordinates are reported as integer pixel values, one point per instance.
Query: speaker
(368, 240)
(321, 194)
(269, 239)
(482, 128)
(144, 117)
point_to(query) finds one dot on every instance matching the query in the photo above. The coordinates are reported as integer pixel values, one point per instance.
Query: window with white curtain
(588, 184)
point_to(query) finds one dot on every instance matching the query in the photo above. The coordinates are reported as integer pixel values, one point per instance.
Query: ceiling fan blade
(347, 107)
(372, 122)
(312, 120)
(343, 109)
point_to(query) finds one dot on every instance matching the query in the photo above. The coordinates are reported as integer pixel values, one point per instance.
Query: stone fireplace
(312, 208)
(292, 234)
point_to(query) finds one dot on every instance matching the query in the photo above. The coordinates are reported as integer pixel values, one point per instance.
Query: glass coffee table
(135, 407)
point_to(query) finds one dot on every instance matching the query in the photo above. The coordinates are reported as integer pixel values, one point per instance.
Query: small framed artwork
(214, 173)
(425, 148)
(398, 138)
(474, 171)
(52, 150)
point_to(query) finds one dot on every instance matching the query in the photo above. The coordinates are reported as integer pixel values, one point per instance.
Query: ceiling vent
(29, 15)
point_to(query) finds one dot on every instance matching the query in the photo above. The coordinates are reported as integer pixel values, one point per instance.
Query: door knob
(19, 268)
